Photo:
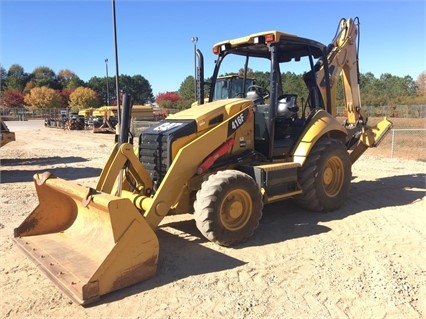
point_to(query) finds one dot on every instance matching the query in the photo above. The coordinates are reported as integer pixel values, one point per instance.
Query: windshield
(221, 90)
(227, 88)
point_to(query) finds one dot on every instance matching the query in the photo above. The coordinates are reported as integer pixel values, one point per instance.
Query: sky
(154, 37)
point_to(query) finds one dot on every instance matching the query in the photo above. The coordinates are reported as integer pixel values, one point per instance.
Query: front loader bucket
(89, 243)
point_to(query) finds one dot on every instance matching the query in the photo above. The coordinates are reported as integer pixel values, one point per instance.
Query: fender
(320, 124)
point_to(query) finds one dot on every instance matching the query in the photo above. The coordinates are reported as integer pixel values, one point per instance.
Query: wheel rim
(333, 176)
(236, 210)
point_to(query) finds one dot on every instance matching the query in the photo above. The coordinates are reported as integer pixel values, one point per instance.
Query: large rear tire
(228, 207)
(325, 177)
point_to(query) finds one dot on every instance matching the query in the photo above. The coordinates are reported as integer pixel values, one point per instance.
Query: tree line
(387, 90)
(44, 88)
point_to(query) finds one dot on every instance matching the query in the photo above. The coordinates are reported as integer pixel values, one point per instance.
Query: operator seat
(287, 106)
(286, 120)
(314, 96)
(255, 97)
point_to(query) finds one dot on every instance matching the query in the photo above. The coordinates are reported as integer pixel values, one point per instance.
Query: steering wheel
(261, 91)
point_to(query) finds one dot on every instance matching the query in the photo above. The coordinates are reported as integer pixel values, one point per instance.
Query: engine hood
(211, 114)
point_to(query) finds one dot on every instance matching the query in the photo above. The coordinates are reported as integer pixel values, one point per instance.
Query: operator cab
(279, 121)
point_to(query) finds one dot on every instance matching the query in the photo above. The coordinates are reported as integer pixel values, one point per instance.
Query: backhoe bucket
(89, 243)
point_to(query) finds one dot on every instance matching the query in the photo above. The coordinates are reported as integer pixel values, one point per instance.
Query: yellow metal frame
(322, 123)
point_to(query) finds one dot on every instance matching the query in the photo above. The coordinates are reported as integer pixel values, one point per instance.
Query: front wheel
(228, 207)
(325, 176)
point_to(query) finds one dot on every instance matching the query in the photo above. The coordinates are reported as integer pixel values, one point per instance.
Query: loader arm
(123, 156)
(343, 60)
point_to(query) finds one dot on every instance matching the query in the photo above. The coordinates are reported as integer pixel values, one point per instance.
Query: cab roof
(290, 46)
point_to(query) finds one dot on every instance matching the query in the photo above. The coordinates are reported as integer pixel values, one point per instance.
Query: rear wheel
(228, 207)
(325, 177)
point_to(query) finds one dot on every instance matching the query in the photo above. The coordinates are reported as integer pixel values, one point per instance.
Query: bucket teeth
(40, 179)
(88, 197)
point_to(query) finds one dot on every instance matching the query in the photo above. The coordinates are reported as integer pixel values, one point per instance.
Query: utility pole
(107, 85)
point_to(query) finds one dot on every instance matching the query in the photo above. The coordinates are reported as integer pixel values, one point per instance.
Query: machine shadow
(182, 255)
(179, 258)
(43, 161)
(68, 173)
(285, 220)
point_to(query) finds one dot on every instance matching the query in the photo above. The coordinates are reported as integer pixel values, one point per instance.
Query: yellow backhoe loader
(104, 119)
(221, 161)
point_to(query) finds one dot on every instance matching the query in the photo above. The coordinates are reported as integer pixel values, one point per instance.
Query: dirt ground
(365, 260)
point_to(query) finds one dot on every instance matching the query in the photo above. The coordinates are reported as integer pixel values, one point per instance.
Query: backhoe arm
(343, 60)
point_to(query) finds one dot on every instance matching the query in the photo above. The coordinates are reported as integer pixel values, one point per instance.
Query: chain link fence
(21, 114)
(408, 143)
(404, 144)
(405, 111)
